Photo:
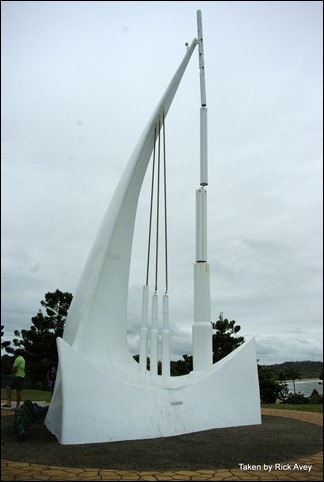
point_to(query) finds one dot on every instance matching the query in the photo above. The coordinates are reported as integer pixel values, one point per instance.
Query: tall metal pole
(202, 328)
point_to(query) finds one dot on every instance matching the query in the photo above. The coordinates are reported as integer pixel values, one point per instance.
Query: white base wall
(92, 406)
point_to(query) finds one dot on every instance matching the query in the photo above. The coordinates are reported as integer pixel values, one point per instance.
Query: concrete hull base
(90, 406)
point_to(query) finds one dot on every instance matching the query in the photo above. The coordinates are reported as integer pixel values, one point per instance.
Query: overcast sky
(79, 83)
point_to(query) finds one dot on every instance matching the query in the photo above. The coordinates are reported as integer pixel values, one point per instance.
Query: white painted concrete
(101, 395)
(100, 404)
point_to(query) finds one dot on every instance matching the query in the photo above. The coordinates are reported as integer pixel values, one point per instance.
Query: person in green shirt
(18, 368)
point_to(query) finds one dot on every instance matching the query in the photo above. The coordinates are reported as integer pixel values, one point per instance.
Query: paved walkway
(307, 468)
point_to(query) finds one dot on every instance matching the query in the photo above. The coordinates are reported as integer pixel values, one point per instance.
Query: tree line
(38, 346)
(307, 369)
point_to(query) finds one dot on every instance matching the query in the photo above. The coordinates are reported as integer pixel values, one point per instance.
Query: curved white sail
(96, 325)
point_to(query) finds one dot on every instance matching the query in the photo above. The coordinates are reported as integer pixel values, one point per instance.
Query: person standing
(18, 368)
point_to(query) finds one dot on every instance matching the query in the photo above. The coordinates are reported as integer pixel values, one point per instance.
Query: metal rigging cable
(165, 211)
(151, 210)
(157, 211)
(156, 178)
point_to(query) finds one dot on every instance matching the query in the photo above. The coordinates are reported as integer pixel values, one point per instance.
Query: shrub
(297, 399)
(316, 397)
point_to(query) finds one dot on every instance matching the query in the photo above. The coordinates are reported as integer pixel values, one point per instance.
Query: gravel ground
(277, 439)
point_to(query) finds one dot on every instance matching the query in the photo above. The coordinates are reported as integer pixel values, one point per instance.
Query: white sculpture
(96, 368)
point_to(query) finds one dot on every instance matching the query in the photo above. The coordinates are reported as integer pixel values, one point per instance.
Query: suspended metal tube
(154, 336)
(166, 338)
(143, 347)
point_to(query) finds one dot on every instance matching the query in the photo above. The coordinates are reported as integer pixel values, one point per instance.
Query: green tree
(4, 344)
(148, 362)
(38, 344)
(292, 374)
(6, 365)
(224, 341)
(182, 367)
(224, 337)
(270, 388)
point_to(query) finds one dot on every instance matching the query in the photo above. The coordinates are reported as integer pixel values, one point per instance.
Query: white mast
(202, 328)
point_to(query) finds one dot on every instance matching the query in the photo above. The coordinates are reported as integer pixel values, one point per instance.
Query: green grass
(28, 394)
(308, 407)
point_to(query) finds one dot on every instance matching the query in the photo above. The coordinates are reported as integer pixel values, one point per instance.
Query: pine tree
(224, 337)
(38, 344)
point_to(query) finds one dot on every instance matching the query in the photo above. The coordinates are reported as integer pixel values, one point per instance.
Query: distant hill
(307, 369)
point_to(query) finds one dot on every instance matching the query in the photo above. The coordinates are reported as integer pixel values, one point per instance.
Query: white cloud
(79, 83)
